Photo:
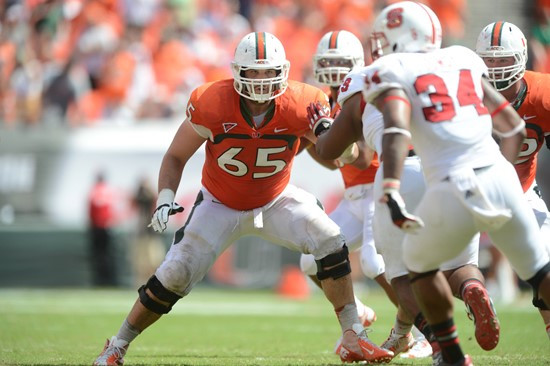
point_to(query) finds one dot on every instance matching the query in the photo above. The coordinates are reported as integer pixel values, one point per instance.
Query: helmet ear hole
(394, 47)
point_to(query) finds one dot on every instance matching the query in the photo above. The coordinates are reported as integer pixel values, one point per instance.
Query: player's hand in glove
(399, 215)
(165, 208)
(319, 119)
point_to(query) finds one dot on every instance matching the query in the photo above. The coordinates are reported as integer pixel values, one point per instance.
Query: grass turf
(226, 327)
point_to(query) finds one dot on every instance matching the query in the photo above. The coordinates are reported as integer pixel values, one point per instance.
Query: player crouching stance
(251, 140)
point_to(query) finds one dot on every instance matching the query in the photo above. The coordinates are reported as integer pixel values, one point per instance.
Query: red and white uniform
(471, 187)
(245, 183)
(387, 236)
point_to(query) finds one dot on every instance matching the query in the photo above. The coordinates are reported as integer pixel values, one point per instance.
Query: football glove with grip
(165, 208)
(399, 215)
(319, 120)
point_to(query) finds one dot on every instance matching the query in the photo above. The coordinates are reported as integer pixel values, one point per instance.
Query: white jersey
(450, 126)
(373, 121)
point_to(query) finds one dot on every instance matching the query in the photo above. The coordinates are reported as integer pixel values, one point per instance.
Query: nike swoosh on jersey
(277, 130)
(525, 117)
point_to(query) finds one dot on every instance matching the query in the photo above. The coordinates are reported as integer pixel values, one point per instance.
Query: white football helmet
(260, 51)
(405, 26)
(337, 53)
(503, 39)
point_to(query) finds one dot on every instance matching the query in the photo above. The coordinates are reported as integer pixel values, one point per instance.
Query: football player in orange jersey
(251, 125)
(503, 47)
(338, 52)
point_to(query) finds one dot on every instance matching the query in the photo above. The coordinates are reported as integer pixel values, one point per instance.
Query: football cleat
(467, 362)
(367, 316)
(113, 353)
(421, 348)
(370, 352)
(480, 309)
(398, 343)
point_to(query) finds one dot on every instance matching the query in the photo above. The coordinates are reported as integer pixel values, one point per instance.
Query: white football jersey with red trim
(450, 126)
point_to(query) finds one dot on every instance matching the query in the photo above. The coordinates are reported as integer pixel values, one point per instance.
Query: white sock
(347, 316)
(401, 328)
(127, 332)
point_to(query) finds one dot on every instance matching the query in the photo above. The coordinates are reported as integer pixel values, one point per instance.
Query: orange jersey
(247, 167)
(535, 111)
(351, 175)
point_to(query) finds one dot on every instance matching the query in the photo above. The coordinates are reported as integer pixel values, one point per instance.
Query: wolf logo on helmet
(501, 40)
(260, 51)
(405, 27)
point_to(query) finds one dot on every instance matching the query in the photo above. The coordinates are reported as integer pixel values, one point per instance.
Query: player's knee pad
(308, 265)
(334, 265)
(535, 282)
(372, 266)
(161, 293)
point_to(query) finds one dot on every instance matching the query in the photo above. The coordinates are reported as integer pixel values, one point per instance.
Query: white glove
(399, 215)
(165, 208)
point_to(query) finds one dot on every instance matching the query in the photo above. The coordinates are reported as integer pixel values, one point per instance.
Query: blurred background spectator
(77, 62)
(102, 218)
(147, 248)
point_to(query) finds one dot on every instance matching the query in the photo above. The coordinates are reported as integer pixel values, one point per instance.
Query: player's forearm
(170, 173)
(510, 147)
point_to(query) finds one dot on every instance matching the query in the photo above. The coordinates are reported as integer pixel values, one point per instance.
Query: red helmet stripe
(260, 46)
(431, 21)
(333, 42)
(497, 33)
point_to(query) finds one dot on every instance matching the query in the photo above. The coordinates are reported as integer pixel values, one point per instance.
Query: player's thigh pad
(348, 215)
(449, 228)
(470, 255)
(295, 220)
(388, 237)
(520, 238)
(198, 244)
(308, 264)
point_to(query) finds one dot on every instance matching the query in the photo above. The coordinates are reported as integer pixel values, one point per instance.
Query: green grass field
(225, 327)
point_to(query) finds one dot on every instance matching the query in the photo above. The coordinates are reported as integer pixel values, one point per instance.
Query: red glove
(319, 120)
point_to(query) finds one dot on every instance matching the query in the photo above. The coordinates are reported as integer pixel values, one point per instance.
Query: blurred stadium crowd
(77, 62)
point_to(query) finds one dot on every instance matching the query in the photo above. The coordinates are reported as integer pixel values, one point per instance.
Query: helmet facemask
(260, 90)
(331, 70)
(503, 40)
(505, 76)
(260, 51)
